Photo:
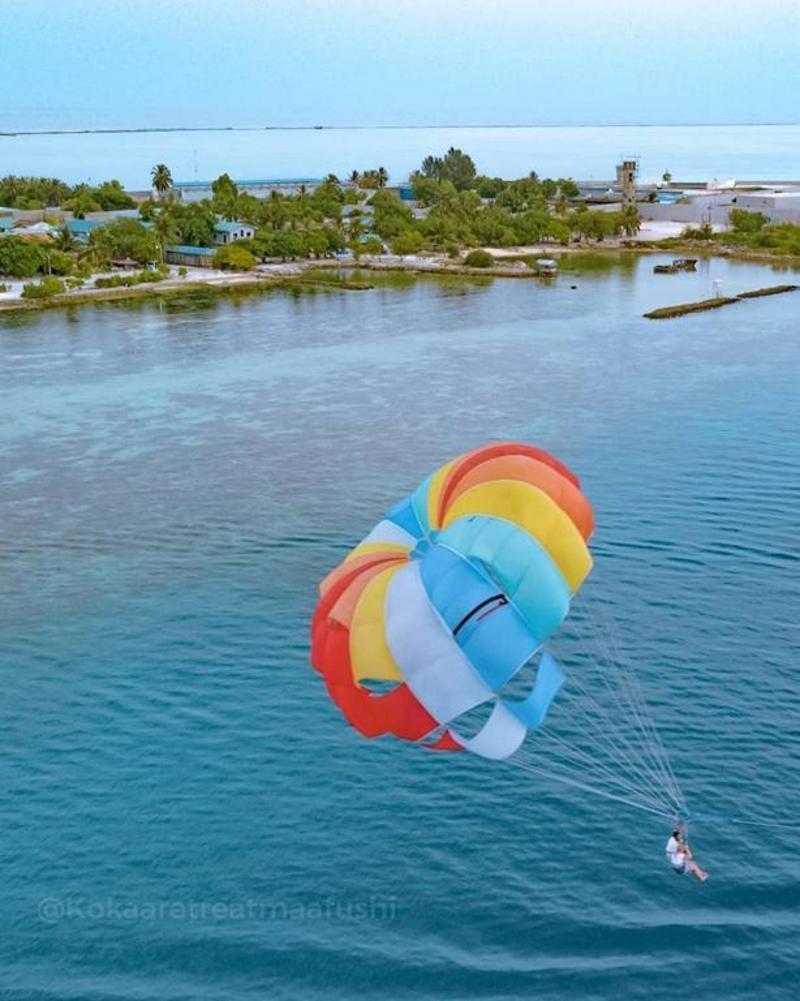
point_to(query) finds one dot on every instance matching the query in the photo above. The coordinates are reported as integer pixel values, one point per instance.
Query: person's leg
(695, 870)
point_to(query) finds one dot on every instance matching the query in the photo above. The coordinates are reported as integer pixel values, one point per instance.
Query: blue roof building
(81, 228)
(6, 223)
(227, 232)
(195, 257)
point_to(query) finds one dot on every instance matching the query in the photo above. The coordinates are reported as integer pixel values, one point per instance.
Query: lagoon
(181, 800)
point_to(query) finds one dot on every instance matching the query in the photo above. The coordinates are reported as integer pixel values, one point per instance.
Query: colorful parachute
(450, 595)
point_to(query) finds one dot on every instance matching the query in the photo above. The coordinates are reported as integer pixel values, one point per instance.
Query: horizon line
(123, 130)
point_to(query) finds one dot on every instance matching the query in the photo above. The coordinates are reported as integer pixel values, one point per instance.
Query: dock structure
(667, 312)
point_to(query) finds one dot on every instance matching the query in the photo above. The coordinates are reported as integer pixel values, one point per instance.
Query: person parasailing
(681, 858)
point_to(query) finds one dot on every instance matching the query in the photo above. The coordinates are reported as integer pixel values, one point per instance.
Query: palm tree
(355, 227)
(382, 176)
(93, 257)
(165, 231)
(332, 179)
(631, 221)
(354, 178)
(64, 240)
(162, 178)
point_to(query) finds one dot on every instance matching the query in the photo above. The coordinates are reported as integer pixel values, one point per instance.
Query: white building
(777, 206)
(228, 232)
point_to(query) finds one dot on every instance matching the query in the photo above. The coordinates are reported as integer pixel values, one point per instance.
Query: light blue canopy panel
(522, 568)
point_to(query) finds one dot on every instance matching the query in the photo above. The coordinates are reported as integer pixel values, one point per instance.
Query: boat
(679, 264)
(546, 267)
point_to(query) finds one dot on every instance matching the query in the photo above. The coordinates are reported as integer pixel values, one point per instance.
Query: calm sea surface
(186, 816)
(698, 153)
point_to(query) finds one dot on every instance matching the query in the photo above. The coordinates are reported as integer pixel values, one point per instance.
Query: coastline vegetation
(750, 231)
(456, 209)
(48, 192)
(447, 208)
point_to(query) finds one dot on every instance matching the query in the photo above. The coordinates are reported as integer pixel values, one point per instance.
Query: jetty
(667, 312)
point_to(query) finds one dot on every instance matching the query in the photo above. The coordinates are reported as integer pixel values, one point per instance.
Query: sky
(140, 63)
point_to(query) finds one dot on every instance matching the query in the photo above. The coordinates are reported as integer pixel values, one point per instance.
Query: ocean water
(690, 152)
(185, 814)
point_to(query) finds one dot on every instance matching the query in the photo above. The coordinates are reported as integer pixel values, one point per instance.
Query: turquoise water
(692, 153)
(187, 816)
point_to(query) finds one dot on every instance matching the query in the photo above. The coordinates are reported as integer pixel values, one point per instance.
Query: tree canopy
(455, 166)
(43, 192)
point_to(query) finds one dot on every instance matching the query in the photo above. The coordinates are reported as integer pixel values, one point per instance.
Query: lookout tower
(627, 173)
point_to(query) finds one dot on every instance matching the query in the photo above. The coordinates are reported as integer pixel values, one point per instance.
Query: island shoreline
(295, 275)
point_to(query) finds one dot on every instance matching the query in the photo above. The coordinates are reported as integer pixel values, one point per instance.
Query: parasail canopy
(450, 595)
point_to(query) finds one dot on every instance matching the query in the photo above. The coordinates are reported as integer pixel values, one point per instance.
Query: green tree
(234, 258)
(492, 225)
(44, 289)
(355, 226)
(126, 238)
(432, 168)
(372, 245)
(32, 192)
(224, 196)
(389, 214)
(747, 222)
(21, 258)
(290, 245)
(455, 166)
(327, 199)
(425, 189)
(489, 187)
(521, 195)
(64, 239)
(354, 178)
(479, 259)
(531, 226)
(373, 179)
(630, 221)
(597, 224)
(161, 179)
(148, 209)
(317, 242)
(408, 241)
(82, 201)
(193, 222)
(112, 196)
(166, 233)
(549, 188)
(557, 231)
(568, 188)
(56, 262)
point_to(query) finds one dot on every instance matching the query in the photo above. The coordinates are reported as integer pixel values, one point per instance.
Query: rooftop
(185, 248)
(84, 225)
(264, 182)
(231, 227)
